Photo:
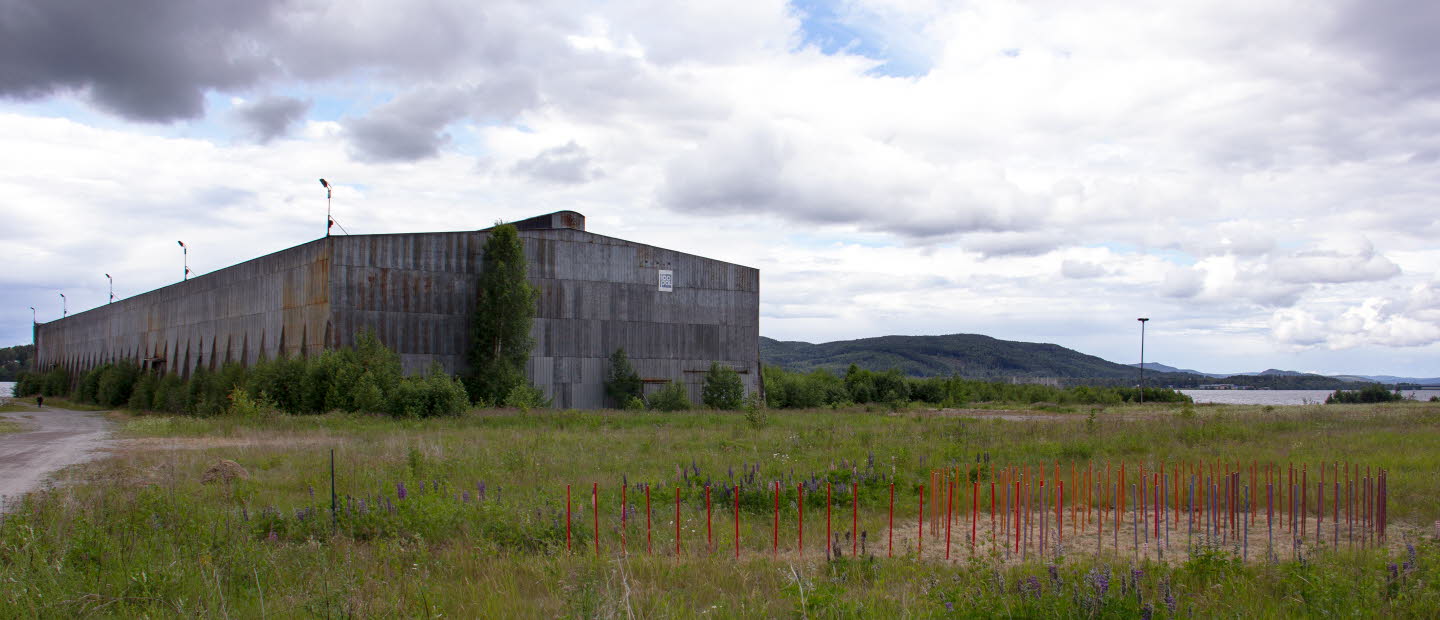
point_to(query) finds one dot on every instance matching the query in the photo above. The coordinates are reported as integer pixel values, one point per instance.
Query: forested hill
(15, 359)
(974, 356)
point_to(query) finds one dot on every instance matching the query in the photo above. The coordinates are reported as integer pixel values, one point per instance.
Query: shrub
(670, 398)
(635, 404)
(116, 384)
(243, 405)
(722, 388)
(622, 383)
(526, 397)
(142, 397)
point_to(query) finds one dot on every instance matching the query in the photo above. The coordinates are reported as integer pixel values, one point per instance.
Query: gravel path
(53, 439)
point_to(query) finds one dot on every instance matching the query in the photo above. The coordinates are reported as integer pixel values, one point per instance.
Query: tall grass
(139, 534)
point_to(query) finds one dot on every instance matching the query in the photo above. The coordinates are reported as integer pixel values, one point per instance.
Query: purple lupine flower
(1099, 580)
(435, 485)
(1030, 586)
(1147, 612)
(400, 491)
(363, 509)
(949, 606)
(1054, 575)
(465, 497)
(1169, 598)
(312, 491)
(1135, 575)
(1394, 571)
(480, 491)
(273, 536)
(1409, 564)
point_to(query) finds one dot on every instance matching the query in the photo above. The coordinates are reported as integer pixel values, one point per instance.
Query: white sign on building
(667, 281)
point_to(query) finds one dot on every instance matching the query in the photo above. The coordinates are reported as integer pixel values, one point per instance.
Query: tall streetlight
(63, 311)
(328, 220)
(185, 256)
(34, 318)
(1142, 320)
(112, 287)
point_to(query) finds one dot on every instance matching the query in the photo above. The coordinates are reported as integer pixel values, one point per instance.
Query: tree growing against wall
(500, 329)
(622, 383)
(722, 389)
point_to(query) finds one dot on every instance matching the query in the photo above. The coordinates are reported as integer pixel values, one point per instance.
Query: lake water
(6, 388)
(1278, 397)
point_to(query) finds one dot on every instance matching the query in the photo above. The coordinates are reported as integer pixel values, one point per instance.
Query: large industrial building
(673, 313)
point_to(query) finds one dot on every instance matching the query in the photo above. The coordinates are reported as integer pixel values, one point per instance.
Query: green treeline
(1369, 394)
(820, 388)
(366, 378)
(15, 360)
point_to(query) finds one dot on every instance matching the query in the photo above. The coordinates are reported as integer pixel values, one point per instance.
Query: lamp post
(63, 311)
(185, 256)
(328, 221)
(1142, 358)
(112, 287)
(34, 319)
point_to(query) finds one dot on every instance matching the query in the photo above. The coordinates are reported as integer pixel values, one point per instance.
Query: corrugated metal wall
(417, 291)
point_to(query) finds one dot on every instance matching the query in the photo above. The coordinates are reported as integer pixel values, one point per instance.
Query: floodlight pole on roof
(112, 288)
(185, 257)
(329, 221)
(64, 312)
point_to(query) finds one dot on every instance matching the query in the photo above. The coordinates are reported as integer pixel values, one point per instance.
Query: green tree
(622, 383)
(500, 329)
(670, 398)
(722, 388)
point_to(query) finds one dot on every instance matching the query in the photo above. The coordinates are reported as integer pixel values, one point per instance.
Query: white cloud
(1038, 180)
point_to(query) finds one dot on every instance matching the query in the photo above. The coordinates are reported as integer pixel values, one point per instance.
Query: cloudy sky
(1259, 178)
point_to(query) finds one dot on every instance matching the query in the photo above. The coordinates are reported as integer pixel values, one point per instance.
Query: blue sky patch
(833, 27)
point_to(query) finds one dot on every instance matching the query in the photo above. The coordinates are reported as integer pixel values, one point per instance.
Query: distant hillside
(1158, 367)
(967, 355)
(975, 356)
(14, 360)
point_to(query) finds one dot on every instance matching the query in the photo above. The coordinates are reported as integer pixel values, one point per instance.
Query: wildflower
(434, 485)
(465, 497)
(1147, 612)
(273, 536)
(1409, 564)
(1054, 575)
(480, 491)
(400, 490)
(1099, 581)
(363, 508)
(1169, 597)
(949, 606)
(1394, 571)
(312, 491)
(244, 514)
(1030, 586)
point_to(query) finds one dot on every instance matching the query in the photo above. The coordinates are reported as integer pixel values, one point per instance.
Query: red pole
(855, 521)
(949, 507)
(649, 548)
(737, 521)
(974, 509)
(1060, 511)
(595, 509)
(567, 517)
(775, 550)
(1158, 499)
(890, 530)
(709, 529)
(920, 531)
(1017, 516)
(800, 512)
(677, 522)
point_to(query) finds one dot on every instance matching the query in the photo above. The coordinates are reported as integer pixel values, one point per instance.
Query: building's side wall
(597, 294)
(416, 291)
(237, 313)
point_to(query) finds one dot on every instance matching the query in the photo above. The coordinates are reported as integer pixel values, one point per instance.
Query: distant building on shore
(673, 313)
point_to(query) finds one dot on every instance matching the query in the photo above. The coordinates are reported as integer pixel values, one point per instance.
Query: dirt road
(53, 439)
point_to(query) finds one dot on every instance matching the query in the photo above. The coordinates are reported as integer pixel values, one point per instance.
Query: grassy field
(480, 530)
